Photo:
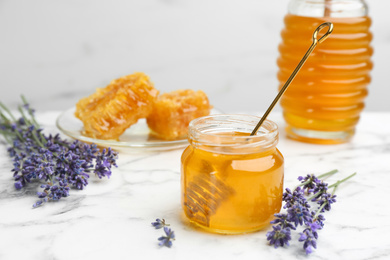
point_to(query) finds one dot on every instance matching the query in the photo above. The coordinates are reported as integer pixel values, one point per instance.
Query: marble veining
(111, 219)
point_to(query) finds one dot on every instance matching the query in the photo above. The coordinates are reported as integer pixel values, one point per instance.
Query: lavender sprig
(55, 161)
(299, 211)
(309, 236)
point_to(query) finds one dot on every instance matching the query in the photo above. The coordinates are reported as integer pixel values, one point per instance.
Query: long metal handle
(290, 79)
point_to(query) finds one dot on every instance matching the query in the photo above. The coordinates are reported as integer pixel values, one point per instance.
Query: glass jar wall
(324, 102)
(231, 182)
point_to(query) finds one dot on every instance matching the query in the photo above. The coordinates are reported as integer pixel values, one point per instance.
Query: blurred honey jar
(231, 182)
(324, 103)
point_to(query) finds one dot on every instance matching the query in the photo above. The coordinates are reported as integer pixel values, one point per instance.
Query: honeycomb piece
(172, 112)
(107, 113)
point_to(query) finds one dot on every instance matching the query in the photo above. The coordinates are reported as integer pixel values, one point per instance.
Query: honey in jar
(324, 102)
(231, 182)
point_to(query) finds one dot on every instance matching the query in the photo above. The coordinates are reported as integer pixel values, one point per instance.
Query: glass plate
(137, 136)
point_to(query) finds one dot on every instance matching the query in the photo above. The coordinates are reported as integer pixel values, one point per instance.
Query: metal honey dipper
(296, 70)
(208, 189)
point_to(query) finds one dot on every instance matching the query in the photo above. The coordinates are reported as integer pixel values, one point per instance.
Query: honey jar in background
(325, 100)
(231, 182)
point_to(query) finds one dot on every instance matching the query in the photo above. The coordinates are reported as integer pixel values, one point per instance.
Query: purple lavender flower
(320, 188)
(297, 196)
(52, 147)
(79, 180)
(318, 218)
(52, 191)
(159, 223)
(21, 121)
(325, 201)
(18, 185)
(104, 161)
(51, 159)
(283, 221)
(22, 179)
(298, 214)
(297, 206)
(167, 240)
(44, 168)
(309, 182)
(11, 151)
(279, 236)
(309, 236)
(27, 106)
(14, 127)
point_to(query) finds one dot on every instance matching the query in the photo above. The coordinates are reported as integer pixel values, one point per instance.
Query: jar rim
(208, 132)
(272, 126)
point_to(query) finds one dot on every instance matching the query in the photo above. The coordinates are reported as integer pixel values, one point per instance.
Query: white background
(55, 52)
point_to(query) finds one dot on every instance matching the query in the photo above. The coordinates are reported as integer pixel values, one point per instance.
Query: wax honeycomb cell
(108, 112)
(172, 112)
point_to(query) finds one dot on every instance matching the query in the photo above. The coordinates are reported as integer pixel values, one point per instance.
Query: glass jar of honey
(231, 182)
(324, 102)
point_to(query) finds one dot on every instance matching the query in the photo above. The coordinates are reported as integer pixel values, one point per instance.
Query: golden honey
(173, 111)
(324, 102)
(107, 113)
(231, 182)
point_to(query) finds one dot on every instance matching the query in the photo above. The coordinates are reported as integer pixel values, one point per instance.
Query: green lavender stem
(334, 186)
(8, 112)
(327, 173)
(319, 177)
(9, 141)
(29, 123)
(12, 117)
(30, 113)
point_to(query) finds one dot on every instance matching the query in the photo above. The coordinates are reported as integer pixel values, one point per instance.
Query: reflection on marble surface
(111, 219)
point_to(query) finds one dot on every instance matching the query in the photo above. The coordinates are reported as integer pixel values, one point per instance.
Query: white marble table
(111, 218)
